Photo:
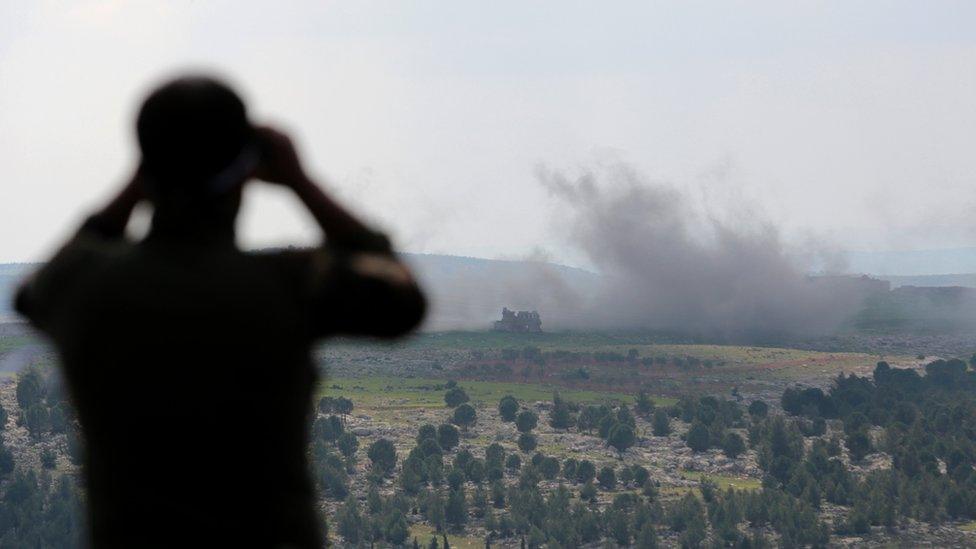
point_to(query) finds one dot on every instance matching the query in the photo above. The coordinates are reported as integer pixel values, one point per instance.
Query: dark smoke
(664, 266)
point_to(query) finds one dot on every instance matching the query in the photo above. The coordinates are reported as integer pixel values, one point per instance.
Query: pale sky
(848, 121)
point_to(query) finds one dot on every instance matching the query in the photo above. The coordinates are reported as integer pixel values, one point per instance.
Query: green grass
(10, 343)
(723, 482)
(968, 527)
(486, 340)
(424, 532)
(774, 361)
(646, 344)
(402, 393)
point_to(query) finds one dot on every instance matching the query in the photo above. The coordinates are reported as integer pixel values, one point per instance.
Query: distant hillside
(469, 292)
(967, 280)
(10, 276)
(464, 292)
(913, 262)
(919, 310)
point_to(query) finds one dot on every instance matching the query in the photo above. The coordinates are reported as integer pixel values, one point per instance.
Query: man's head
(195, 137)
(190, 130)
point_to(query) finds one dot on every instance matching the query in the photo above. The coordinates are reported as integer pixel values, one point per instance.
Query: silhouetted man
(189, 360)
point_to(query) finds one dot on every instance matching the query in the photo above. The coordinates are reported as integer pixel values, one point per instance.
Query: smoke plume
(666, 266)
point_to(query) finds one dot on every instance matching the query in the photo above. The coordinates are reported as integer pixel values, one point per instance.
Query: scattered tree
(448, 436)
(661, 423)
(465, 416)
(508, 408)
(383, 455)
(698, 437)
(455, 397)
(526, 421)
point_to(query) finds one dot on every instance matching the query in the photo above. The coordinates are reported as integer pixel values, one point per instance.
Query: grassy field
(424, 532)
(485, 349)
(401, 393)
(723, 482)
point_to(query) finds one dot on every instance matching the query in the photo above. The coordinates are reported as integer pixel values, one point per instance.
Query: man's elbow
(22, 301)
(405, 314)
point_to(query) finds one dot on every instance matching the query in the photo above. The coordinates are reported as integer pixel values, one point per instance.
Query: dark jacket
(190, 367)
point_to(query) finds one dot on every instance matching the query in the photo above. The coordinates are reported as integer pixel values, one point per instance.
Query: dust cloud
(664, 265)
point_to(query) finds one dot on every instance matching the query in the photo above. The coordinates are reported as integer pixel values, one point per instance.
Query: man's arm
(40, 297)
(359, 287)
(111, 220)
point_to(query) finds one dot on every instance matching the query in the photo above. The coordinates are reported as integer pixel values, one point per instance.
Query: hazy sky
(848, 121)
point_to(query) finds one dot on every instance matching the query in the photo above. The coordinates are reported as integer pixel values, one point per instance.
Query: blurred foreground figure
(189, 360)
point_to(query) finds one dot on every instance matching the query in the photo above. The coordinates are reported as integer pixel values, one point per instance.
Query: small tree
(526, 421)
(456, 510)
(569, 469)
(334, 482)
(607, 478)
(430, 447)
(859, 444)
(395, 529)
(697, 438)
(494, 455)
(448, 436)
(560, 417)
(383, 455)
(588, 418)
(647, 538)
(455, 479)
(549, 468)
(661, 424)
(30, 388)
(37, 419)
(733, 445)
(508, 408)
(326, 405)
(527, 442)
(641, 475)
(426, 431)
(621, 437)
(474, 471)
(588, 492)
(343, 406)
(348, 444)
(329, 428)
(465, 416)
(455, 397)
(349, 522)
(758, 409)
(585, 471)
(643, 404)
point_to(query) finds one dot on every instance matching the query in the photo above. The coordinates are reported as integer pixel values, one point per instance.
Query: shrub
(455, 397)
(526, 421)
(527, 442)
(758, 409)
(465, 416)
(697, 438)
(733, 445)
(383, 455)
(448, 436)
(621, 437)
(661, 424)
(607, 478)
(508, 408)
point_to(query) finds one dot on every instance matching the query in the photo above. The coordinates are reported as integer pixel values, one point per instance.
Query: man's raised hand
(279, 162)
